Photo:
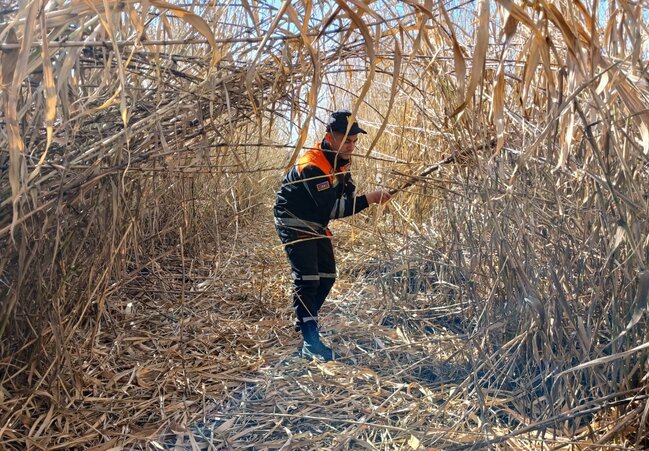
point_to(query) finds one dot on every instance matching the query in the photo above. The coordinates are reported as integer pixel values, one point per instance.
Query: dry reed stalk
(500, 304)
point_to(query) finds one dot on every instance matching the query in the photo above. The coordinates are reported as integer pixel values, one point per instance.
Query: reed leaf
(479, 54)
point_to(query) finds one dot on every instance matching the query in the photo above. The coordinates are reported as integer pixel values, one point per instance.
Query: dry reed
(498, 301)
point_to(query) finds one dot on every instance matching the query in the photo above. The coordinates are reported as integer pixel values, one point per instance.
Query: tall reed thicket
(120, 136)
(545, 225)
(129, 128)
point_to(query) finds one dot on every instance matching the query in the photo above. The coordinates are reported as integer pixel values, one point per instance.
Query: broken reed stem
(542, 424)
(183, 317)
(453, 158)
(168, 42)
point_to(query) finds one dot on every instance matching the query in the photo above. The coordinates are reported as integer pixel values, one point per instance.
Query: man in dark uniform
(317, 189)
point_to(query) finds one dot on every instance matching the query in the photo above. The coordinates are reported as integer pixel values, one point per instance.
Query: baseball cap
(338, 123)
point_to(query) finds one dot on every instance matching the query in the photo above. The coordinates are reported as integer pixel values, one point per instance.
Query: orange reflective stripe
(316, 157)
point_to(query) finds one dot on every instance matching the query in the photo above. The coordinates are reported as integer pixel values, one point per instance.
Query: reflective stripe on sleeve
(341, 207)
(332, 215)
(338, 210)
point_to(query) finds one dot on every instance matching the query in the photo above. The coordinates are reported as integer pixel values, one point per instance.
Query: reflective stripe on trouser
(314, 271)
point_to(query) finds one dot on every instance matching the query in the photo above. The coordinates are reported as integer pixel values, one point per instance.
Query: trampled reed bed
(498, 301)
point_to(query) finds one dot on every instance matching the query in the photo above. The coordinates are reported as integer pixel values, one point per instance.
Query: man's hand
(378, 197)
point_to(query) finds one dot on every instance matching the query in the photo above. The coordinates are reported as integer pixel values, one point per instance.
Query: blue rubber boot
(313, 348)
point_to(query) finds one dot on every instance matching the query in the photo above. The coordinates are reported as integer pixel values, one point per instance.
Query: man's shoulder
(312, 160)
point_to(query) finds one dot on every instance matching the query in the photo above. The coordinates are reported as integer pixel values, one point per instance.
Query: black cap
(338, 123)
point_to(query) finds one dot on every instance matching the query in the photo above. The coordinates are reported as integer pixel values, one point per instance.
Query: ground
(199, 352)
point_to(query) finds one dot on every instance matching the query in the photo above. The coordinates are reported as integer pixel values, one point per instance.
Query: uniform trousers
(311, 256)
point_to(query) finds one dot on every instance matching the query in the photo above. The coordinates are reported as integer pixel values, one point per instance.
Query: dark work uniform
(312, 193)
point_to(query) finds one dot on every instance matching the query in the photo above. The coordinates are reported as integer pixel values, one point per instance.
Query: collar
(331, 155)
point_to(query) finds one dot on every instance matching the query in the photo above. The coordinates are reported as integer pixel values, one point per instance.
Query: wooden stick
(450, 159)
(164, 42)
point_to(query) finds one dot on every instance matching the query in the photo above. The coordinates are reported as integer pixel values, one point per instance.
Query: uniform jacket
(312, 192)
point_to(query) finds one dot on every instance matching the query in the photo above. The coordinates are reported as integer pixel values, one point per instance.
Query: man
(318, 188)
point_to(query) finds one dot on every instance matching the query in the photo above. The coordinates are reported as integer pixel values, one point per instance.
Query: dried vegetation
(500, 300)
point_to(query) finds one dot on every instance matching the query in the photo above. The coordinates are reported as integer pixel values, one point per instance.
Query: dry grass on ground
(198, 352)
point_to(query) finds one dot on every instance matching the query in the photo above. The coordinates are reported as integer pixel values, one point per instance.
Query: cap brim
(355, 130)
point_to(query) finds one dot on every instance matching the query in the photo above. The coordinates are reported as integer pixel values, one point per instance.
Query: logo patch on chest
(322, 186)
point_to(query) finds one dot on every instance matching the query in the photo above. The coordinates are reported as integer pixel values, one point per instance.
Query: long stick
(450, 159)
